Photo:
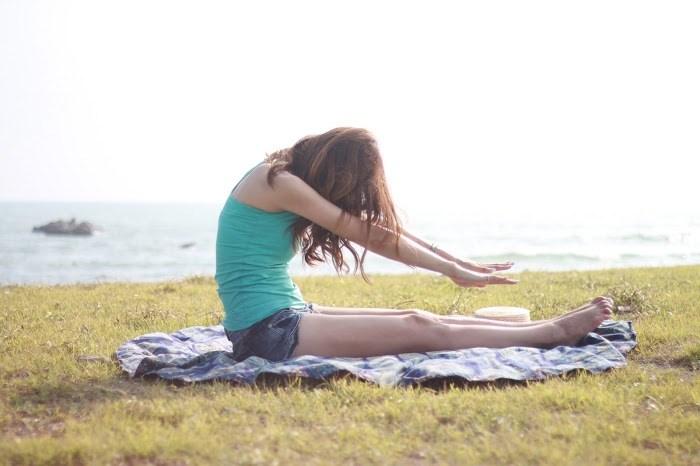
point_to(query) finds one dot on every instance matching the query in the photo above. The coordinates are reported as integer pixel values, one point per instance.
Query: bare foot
(572, 327)
(600, 300)
(458, 319)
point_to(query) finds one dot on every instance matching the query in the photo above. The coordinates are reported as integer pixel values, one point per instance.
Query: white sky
(510, 106)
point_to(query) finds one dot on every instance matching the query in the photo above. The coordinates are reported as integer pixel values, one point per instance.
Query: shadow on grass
(42, 408)
(457, 383)
(443, 384)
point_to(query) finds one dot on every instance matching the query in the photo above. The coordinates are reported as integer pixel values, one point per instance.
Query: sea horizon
(162, 241)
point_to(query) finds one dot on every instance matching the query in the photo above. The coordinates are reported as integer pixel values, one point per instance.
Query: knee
(425, 324)
(425, 314)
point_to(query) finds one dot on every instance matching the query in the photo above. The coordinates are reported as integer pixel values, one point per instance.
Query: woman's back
(253, 250)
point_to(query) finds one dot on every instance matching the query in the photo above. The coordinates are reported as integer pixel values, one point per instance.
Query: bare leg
(448, 319)
(373, 335)
(600, 300)
(465, 320)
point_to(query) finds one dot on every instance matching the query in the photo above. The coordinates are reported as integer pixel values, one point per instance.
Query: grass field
(59, 407)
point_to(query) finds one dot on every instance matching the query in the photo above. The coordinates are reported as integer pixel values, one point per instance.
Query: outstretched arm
(292, 194)
(466, 263)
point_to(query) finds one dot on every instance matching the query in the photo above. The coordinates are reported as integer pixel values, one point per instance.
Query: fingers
(499, 280)
(500, 266)
(475, 267)
(484, 280)
(487, 268)
(468, 283)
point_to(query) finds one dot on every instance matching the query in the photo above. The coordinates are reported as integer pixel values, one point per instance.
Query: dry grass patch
(63, 400)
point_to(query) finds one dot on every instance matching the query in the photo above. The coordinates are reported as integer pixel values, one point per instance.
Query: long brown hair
(344, 166)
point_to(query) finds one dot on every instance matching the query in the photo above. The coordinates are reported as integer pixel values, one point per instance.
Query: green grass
(56, 408)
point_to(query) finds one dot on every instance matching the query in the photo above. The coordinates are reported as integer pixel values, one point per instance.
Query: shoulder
(284, 192)
(282, 177)
(293, 194)
(255, 190)
(285, 184)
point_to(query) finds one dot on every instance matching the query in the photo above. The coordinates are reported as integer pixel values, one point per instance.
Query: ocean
(160, 242)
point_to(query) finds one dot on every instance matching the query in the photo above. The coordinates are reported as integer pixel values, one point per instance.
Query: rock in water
(61, 227)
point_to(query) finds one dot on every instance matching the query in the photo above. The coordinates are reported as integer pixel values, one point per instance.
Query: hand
(468, 279)
(484, 268)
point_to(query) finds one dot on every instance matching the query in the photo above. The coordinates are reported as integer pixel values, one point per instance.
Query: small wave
(685, 256)
(641, 237)
(549, 256)
(631, 256)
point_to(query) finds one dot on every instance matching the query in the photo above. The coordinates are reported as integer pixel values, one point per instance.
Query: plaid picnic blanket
(198, 354)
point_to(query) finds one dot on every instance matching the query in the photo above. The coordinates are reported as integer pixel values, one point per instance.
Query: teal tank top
(253, 251)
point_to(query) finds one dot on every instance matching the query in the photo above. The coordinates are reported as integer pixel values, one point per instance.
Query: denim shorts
(274, 338)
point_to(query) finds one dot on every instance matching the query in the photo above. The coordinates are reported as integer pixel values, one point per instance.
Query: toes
(603, 300)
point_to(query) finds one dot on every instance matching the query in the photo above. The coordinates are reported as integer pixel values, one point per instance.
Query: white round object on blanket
(504, 313)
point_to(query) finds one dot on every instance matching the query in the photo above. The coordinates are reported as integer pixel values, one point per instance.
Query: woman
(326, 194)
